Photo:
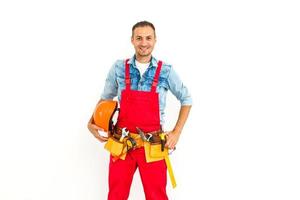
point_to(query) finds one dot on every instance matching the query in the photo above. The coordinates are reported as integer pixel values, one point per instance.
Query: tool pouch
(114, 146)
(156, 152)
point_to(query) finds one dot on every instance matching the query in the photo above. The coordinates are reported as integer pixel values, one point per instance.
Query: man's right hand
(94, 130)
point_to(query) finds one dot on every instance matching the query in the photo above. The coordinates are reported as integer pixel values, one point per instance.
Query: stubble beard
(142, 54)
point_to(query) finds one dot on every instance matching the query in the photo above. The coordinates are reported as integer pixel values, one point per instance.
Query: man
(141, 84)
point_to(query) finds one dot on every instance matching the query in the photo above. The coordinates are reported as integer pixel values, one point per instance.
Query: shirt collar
(153, 61)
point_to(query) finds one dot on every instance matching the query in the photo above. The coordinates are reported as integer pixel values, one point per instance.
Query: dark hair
(143, 24)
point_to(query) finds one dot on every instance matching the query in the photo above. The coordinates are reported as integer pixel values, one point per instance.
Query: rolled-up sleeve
(178, 89)
(111, 88)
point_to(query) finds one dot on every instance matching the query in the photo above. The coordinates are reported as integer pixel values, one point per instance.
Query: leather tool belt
(152, 137)
(119, 146)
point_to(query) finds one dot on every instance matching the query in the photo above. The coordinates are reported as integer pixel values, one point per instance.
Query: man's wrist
(176, 131)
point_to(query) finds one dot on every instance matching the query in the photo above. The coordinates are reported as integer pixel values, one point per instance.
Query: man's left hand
(172, 139)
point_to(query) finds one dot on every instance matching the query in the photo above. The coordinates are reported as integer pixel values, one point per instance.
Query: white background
(240, 60)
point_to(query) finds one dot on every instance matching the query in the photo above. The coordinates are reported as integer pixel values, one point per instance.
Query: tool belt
(119, 146)
(153, 137)
(153, 143)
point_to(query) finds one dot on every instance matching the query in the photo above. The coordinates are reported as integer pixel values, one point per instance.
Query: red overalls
(138, 109)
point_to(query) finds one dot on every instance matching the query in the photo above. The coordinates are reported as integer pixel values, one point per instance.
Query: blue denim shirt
(168, 80)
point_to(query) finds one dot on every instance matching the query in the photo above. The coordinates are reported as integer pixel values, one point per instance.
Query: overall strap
(127, 75)
(156, 76)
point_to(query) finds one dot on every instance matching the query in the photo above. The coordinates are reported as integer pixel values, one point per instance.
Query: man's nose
(143, 42)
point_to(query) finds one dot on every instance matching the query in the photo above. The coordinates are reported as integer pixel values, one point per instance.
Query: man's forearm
(183, 115)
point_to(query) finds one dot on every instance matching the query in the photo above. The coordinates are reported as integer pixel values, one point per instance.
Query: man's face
(143, 40)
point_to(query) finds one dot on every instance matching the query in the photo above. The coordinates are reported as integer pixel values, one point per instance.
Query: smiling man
(143, 40)
(141, 84)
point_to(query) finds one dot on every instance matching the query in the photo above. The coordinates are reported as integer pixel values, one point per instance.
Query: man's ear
(131, 39)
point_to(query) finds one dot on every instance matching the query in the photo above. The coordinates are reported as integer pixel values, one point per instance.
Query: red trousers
(153, 176)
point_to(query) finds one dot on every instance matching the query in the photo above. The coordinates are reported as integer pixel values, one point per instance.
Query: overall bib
(138, 109)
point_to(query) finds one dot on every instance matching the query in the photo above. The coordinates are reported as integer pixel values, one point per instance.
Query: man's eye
(138, 38)
(149, 38)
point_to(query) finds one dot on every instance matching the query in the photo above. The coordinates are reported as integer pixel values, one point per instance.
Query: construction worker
(141, 84)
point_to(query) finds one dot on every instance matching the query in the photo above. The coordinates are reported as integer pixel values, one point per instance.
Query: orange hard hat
(104, 113)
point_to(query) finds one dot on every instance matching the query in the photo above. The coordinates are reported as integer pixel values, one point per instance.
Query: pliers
(142, 134)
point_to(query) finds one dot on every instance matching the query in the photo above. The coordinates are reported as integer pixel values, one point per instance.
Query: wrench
(125, 133)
